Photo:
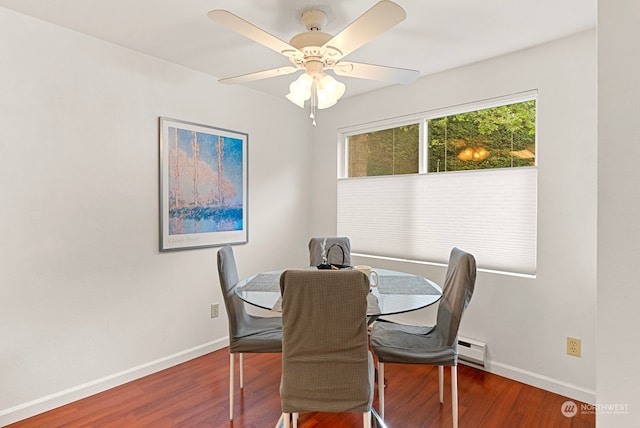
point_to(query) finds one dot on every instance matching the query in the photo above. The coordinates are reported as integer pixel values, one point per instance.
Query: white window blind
(491, 214)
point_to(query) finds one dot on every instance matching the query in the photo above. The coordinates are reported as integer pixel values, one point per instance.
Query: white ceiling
(437, 34)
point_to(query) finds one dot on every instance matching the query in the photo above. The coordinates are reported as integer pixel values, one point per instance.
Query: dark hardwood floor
(195, 394)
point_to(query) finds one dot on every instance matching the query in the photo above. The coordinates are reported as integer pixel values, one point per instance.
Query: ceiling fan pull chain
(314, 102)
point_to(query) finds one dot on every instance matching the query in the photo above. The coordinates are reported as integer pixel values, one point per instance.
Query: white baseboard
(542, 382)
(40, 405)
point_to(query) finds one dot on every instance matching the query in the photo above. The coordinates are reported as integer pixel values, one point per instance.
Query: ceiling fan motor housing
(310, 42)
(310, 39)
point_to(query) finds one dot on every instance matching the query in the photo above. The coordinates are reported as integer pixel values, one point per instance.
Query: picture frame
(203, 185)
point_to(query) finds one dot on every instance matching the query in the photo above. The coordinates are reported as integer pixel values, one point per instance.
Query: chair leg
(287, 420)
(454, 395)
(295, 420)
(366, 419)
(441, 383)
(231, 376)
(381, 388)
(241, 370)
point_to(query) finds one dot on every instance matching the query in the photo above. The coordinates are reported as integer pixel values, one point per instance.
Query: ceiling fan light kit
(314, 80)
(315, 51)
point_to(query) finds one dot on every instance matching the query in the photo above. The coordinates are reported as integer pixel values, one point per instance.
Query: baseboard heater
(471, 351)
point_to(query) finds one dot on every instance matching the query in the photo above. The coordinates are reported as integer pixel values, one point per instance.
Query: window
(495, 137)
(393, 203)
(387, 152)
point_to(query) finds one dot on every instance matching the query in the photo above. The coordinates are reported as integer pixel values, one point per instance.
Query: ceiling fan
(315, 51)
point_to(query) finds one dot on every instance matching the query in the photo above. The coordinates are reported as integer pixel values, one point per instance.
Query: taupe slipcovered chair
(247, 333)
(397, 343)
(334, 248)
(326, 363)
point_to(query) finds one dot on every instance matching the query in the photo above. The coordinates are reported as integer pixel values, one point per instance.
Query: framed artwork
(203, 186)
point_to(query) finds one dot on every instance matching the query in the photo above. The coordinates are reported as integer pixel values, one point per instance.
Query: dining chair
(247, 333)
(326, 363)
(437, 345)
(337, 250)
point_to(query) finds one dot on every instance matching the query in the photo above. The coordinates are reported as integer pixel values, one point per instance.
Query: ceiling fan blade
(382, 16)
(282, 71)
(375, 72)
(252, 32)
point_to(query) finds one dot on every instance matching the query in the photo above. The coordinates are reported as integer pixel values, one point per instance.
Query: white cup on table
(371, 274)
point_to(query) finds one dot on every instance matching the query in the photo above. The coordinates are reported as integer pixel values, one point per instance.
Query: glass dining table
(396, 292)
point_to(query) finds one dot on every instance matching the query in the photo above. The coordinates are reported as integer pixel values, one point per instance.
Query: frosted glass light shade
(300, 90)
(329, 91)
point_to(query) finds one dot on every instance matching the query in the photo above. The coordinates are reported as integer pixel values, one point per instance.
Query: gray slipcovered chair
(397, 343)
(247, 333)
(326, 363)
(338, 250)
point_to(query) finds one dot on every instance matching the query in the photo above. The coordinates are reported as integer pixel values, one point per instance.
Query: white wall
(618, 213)
(525, 322)
(87, 299)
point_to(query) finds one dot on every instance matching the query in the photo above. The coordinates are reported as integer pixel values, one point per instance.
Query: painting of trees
(205, 182)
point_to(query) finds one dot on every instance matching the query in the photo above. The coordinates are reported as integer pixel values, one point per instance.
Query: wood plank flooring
(195, 394)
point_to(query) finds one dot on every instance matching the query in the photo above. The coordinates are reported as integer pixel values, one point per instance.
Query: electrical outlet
(574, 346)
(215, 310)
